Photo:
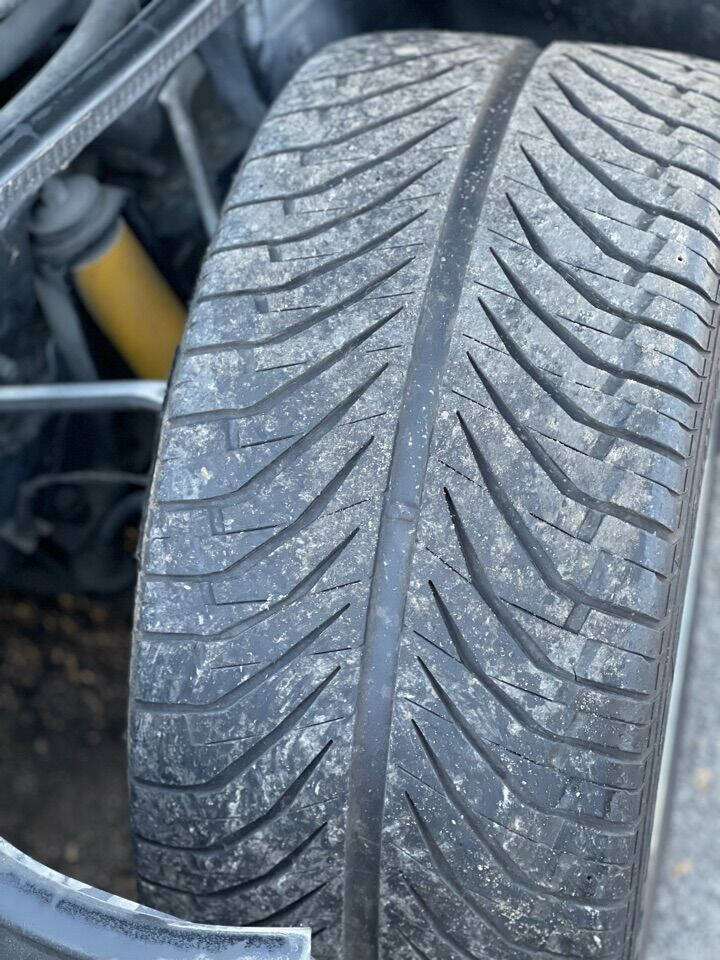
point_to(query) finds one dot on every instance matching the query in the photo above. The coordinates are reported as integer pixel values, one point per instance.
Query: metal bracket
(176, 97)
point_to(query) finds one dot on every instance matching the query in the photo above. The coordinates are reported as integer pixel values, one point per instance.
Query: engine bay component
(100, 22)
(77, 225)
(104, 88)
(145, 319)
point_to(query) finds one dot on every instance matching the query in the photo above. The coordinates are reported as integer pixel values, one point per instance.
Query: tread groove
(630, 143)
(588, 292)
(276, 810)
(310, 320)
(363, 128)
(503, 861)
(604, 243)
(674, 123)
(558, 476)
(348, 174)
(654, 75)
(241, 764)
(448, 877)
(287, 388)
(400, 513)
(615, 186)
(282, 867)
(310, 232)
(364, 98)
(573, 409)
(246, 687)
(291, 453)
(578, 347)
(538, 556)
(326, 267)
(520, 715)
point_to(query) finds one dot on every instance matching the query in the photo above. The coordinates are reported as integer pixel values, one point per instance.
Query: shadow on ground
(63, 699)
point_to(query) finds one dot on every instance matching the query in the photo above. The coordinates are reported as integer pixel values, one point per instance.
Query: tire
(418, 535)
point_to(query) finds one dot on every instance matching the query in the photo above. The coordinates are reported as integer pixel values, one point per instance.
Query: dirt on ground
(63, 700)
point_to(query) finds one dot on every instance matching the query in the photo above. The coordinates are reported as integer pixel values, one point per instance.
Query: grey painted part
(74, 218)
(685, 921)
(45, 915)
(63, 319)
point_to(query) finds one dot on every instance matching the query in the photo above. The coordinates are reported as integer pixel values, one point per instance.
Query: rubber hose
(101, 21)
(25, 29)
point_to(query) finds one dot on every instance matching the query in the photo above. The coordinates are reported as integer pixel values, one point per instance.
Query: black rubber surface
(417, 540)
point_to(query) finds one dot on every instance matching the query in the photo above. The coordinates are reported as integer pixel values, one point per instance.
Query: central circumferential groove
(401, 509)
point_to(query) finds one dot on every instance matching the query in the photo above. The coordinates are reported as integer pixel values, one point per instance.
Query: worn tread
(417, 540)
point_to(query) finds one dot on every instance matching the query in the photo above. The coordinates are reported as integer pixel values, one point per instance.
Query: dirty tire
(418, 536)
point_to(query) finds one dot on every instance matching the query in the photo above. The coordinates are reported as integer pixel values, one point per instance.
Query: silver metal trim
(98, 395)
(45, 915)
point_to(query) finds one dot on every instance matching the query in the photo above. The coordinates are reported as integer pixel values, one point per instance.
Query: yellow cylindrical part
(132, 303)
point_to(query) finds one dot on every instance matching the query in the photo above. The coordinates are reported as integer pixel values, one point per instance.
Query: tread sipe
(418, 535)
